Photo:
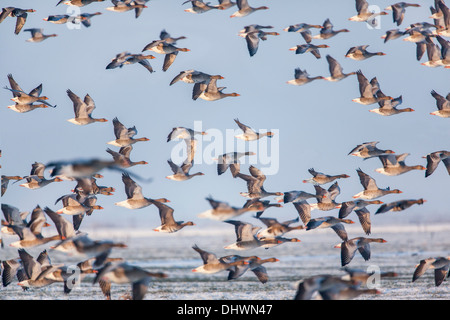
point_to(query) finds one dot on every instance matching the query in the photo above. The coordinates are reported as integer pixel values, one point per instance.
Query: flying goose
(222, 211)
(124, 136)
(83, 109)
(336, 72)
(249, 134)
(319, 178)
(245, 9)
(433, 160)
(302, 77)
(398, 11)
(371, 190)
(327, 31)
(122, 272)
(440, 265)
(255, 183)
(168, 223)
(443, 105)
(37, 35)
(360, 53)
(20, 15)
(398, 205)
(394, 165)
(361, 244)
(368, 150)
(135, 198)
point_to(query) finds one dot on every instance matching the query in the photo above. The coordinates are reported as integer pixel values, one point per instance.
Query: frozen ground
(315, 254)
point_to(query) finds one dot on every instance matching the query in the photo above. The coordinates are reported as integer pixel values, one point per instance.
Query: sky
(316, 124)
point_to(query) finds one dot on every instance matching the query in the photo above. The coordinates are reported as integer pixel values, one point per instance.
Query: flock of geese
(38, 272)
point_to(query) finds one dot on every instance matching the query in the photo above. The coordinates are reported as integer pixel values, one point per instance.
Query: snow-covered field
(315, 254)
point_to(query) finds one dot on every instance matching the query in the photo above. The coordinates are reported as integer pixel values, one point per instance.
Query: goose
(84, 246)
(300, 27)
(36, 271)
(276, 229)
(226, 4)
(251, 28)
(336, 71)
(34, 182)
(38, 36)
(193, 76)
(347, 293)
(20, 15)
(222, 211)
(295, 196)
(433, 160)
(84, 168)
(61, 19)
(181, 173)
(28, 239)
(394, 165)
(231, 160)
(25, 102)
(169, 50)
(443, 105)
(311, 287)
(326, 200)
(135, 198)
(198, 6)
(183, 133)
(83, 109)
(308, 47)
(260, 205)
(5, 182)
(255, 265)
(359, 206)
(122, 272)
(433, 53)
(319, 178)
(363, 276)
(168, 223)
(303, 29)
(88, 186)
(445, 51)
(65, 230)
(302, 77)
(366, 89)
(337, 224)
(360, 53)
(361, 244)
(368, 150)
(371, 190)
(255, 183)
(249, 134)
(440, 265)
(211, 264)
(417, 35)
(364, 15)
(252, 40)
(246, 238)
(125, 58)
(327, 31)
(74, 204)
(445, 31)
(164, 35)
(13, 216)
(389, 107)
(124, 136)
(78, 3)
(122, 158)
(399, 205)
(348, 206)
(213, 93)
(392, 35)
(398, 11)
(245, 9)
(126, 5)
(85, 18)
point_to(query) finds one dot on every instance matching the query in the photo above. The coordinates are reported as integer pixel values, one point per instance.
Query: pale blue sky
(318, 123)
